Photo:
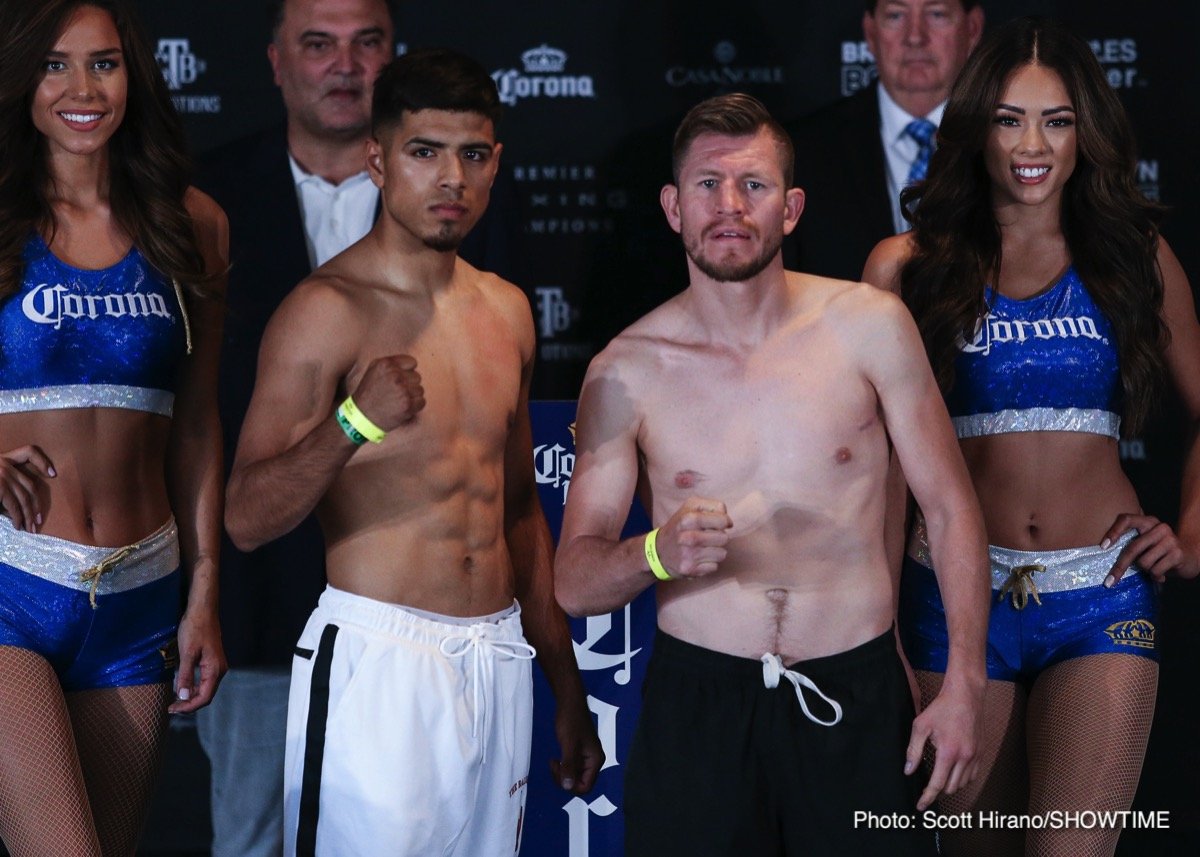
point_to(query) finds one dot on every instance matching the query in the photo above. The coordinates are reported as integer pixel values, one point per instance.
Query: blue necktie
(921, 130)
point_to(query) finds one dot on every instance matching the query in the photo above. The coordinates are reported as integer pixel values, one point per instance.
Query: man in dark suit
(855, 156)
(295, 195)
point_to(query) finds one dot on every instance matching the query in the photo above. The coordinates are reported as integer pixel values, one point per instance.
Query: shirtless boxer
(410, 710)
(753, 414)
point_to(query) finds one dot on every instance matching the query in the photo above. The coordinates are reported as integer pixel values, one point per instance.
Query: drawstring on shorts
(773, 670)
(93, 574)
(1020, 583)
(479, 645)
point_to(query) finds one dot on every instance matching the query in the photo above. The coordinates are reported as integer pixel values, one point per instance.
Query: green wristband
(656, 566)
(366, 429)
(351, 432)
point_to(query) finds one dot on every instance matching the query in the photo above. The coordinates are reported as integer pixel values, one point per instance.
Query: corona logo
(543, 78)
(544, 60)
(1133, 632)
(47, 304)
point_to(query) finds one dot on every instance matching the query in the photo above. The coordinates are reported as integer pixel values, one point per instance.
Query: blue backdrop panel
(612, 650)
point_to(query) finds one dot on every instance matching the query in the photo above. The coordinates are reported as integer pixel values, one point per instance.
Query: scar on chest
(843, 455)
(688, 479)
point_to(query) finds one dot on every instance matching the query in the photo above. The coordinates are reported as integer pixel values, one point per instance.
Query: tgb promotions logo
(180, 68)
(543, 77)
(555, 316)
(555, 313)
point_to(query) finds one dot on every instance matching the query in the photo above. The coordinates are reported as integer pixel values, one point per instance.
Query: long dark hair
(148, 167)
(1111, 230)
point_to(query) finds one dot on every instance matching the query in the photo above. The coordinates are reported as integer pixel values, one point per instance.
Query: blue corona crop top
(1048, 363)
(73, 338)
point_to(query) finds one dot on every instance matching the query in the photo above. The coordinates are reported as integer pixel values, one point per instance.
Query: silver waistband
(160, 402)
(1085, 420)
(65, 562)
(1049, 571)
(1059, 570)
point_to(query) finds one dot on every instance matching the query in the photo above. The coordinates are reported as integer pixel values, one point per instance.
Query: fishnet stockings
(1089, 719)
(65, 760)
(44, 806)
(1081, 735)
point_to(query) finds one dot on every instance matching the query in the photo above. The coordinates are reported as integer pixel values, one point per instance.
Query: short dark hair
(433, 79)
(872, 5)
(734, 115)
(276, 8)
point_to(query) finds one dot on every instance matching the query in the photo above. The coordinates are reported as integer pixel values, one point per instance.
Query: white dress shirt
(335, 216)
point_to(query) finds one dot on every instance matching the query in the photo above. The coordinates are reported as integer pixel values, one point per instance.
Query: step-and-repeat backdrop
(593, 91)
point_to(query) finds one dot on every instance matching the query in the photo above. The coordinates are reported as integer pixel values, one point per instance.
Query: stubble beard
(731, 272)
(446, 240)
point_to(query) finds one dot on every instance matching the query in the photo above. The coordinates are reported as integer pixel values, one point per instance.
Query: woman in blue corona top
(1051, 309)
(111, 288)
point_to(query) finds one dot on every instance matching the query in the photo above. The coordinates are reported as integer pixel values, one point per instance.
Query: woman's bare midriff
(110, 487)
(1048, 490)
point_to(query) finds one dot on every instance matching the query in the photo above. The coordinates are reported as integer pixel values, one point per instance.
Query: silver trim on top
(1085, 420)
(160, 402)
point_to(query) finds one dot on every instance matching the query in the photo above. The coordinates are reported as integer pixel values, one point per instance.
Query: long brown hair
(1111, 230)
(148, 167)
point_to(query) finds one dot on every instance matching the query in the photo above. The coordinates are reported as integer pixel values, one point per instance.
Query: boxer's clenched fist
(692, 541)
(390, 393)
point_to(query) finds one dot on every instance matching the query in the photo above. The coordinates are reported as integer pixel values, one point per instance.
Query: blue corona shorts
(100, 616)
(1047, 607)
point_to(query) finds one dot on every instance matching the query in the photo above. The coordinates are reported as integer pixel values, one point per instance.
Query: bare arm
(596, 572)
(531, 549)
(882, 270)
(1158, 549)
(928, 451)
(291, 448)
(194, 467)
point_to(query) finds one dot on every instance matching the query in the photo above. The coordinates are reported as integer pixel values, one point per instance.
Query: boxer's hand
(692, 542)
(389, 392)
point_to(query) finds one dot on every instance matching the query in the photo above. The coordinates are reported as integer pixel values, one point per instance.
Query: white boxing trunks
(408, 733)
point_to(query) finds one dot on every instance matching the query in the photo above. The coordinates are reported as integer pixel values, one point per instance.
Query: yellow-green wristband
(656, 566)
(349, 412)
